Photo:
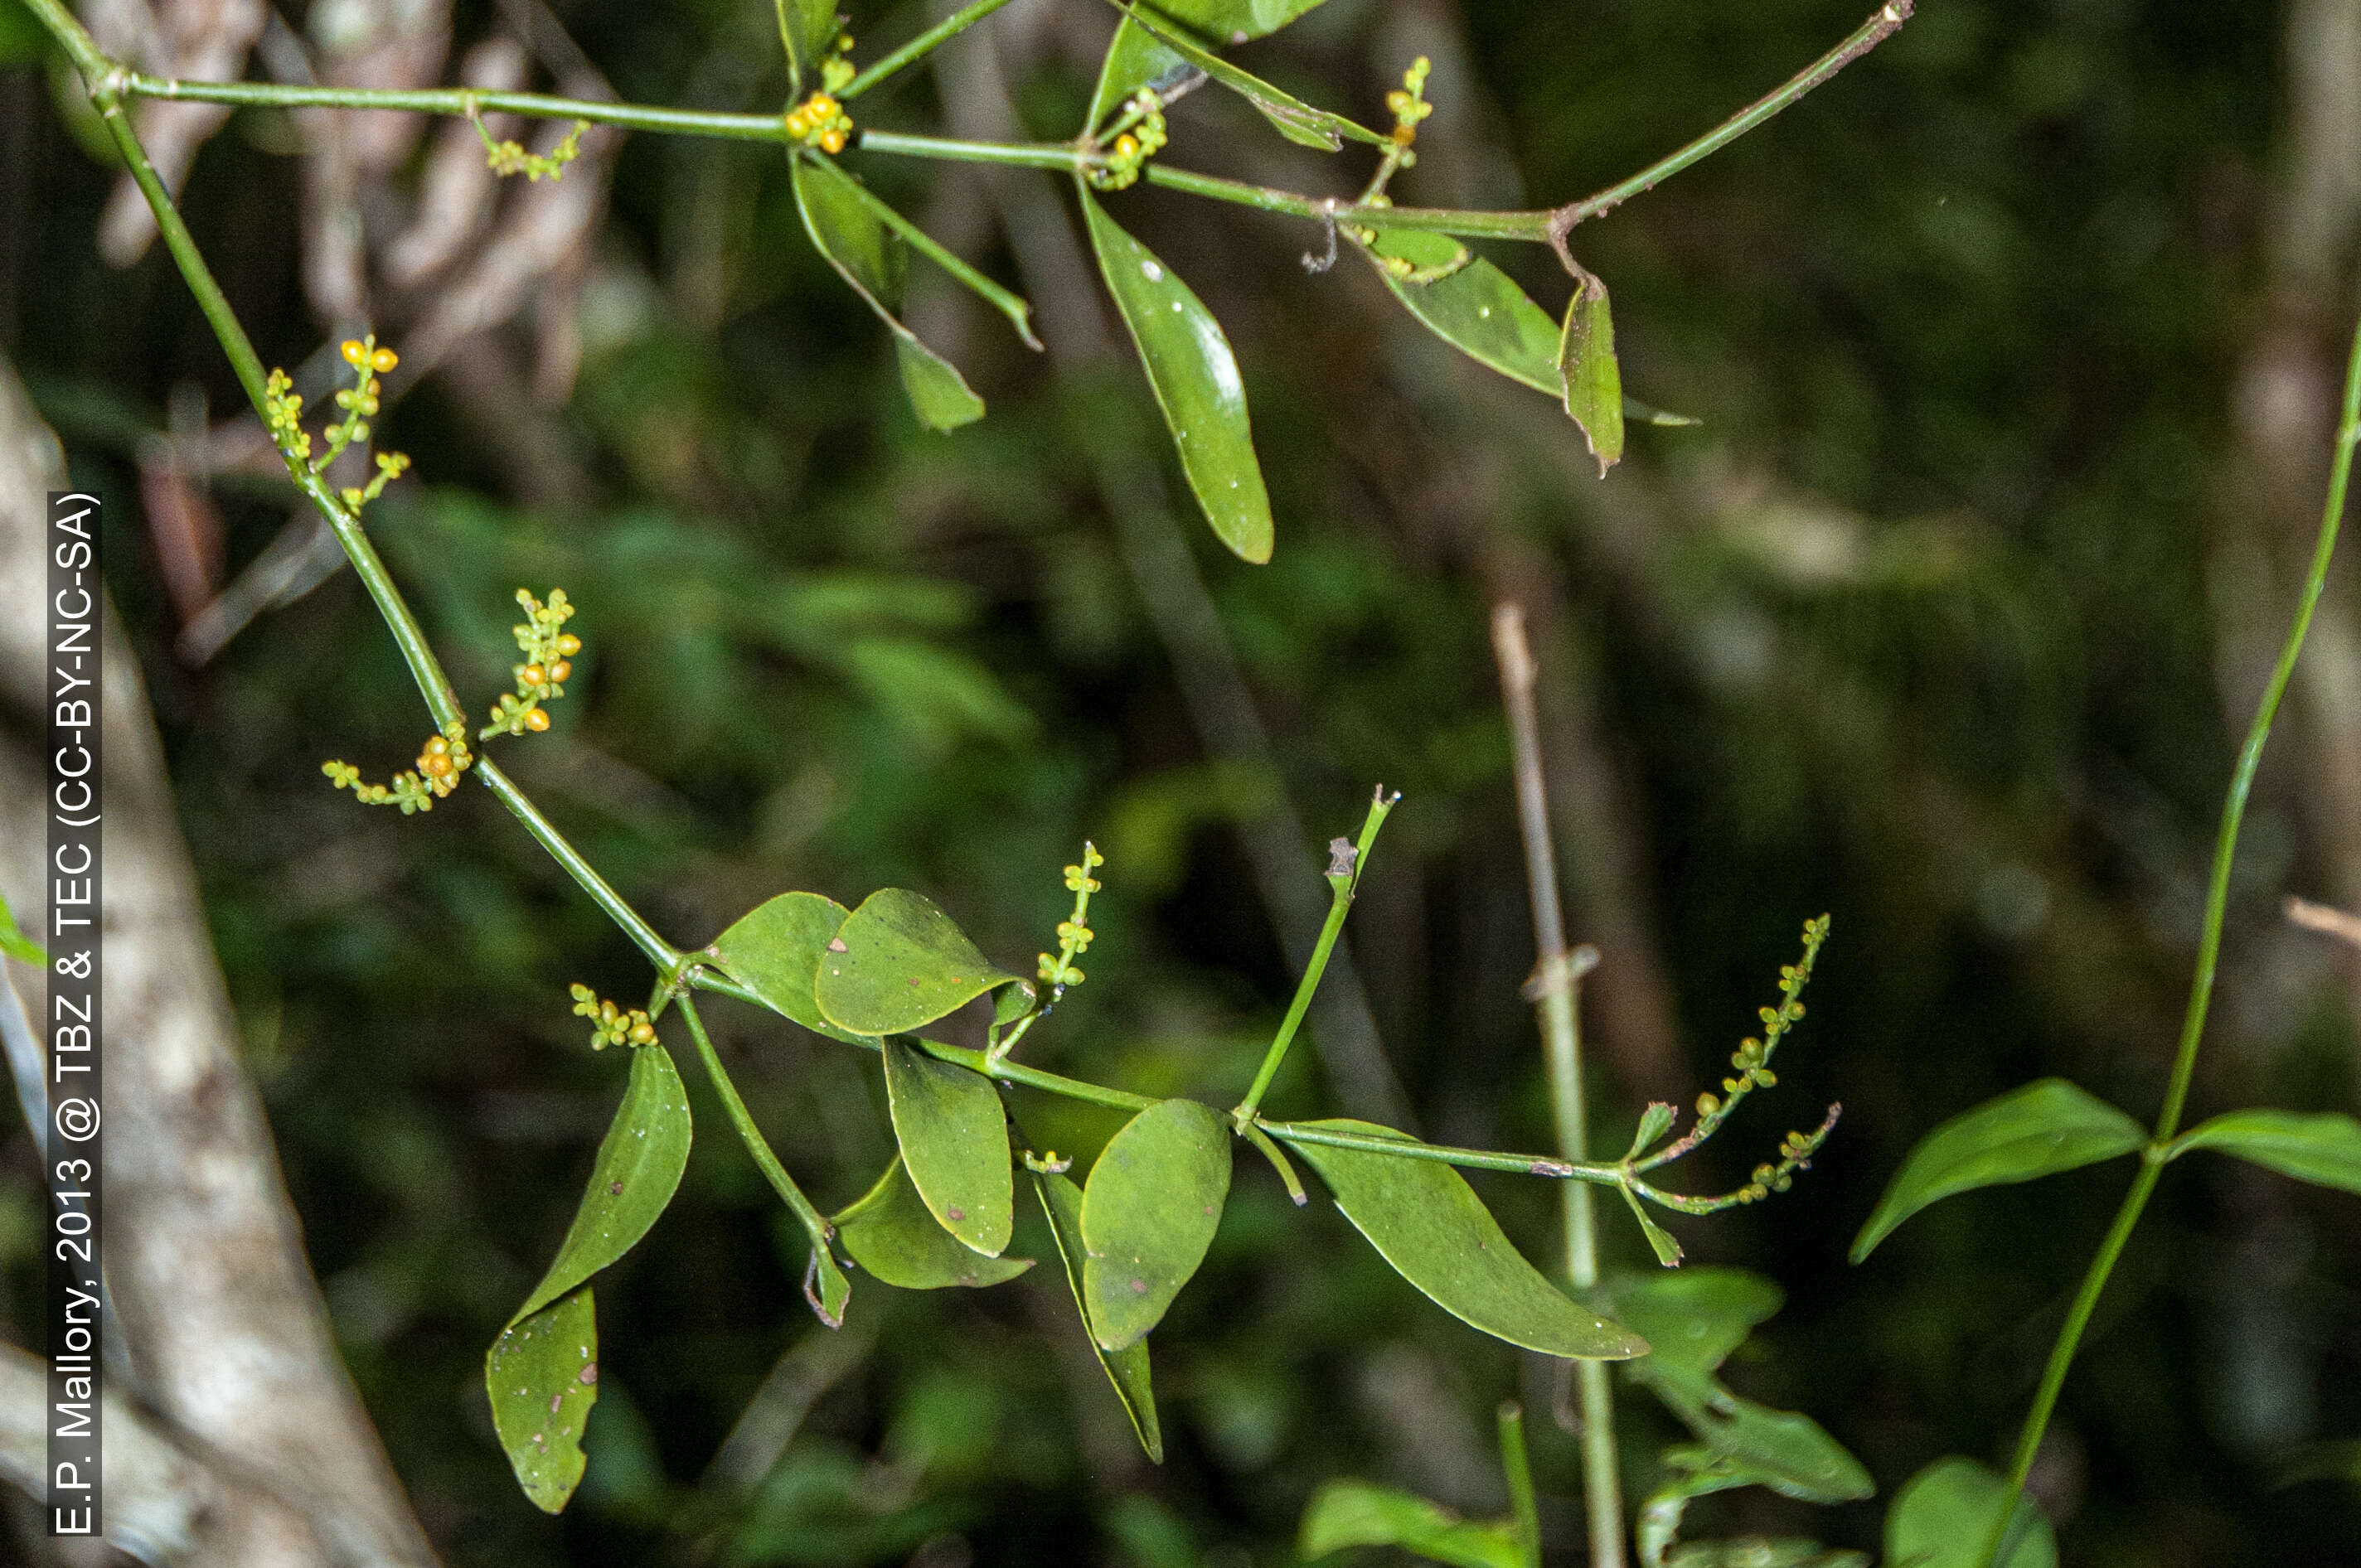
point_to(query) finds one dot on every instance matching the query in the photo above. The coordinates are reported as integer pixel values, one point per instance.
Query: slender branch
(1441, 1153)
(2209, 953)
(1524, 225)
(750, 1134)
(1343, 877)
(1519, 1471)
(1062, 156)
(1560, 977)
(926, 43)
(468, 103)
(1881, 25)
(661, 953)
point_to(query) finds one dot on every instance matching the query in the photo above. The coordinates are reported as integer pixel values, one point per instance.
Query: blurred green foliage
(1913, 629)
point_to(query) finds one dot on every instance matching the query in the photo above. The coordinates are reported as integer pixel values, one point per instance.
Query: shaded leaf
(1476, 308)
(1134, 59)
(903, 963)
(1790, 1454)
(1425, 1220)
(1660, 1240)
(2323, 1149)
(1354, 1513)
(891, 1232)
(15, 943)
(1696, 1473)
(2039, 1130)
(1757, 1553)
(954, 1139)
(1297, 121)
(810, 28)
(775, 951)
(1127, 1368)
(873, 260)
(638, 1168)
(1235, 21)
(1943, 1516)
(1654, 1123)
(1593, 384)
(1195, 378)
(1148, 1214)
(825, 1289)
(541, 1374)
(1694, 1317)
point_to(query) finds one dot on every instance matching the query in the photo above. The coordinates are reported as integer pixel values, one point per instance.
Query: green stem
(467, 102)
(1519, 1470)
(2209, 953)
(661, 953)
(1342, 885)
(1561, 978)
(1018, 312)
(750, 1134)
(1442, 1154)
(1527, 226)
(923, 45)
(1881, 26)
(1062, 156)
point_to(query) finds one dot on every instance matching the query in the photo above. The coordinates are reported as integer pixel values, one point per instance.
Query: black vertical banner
(76, 919)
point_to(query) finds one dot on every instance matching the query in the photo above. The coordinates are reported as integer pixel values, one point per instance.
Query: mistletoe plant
(1135, 1229)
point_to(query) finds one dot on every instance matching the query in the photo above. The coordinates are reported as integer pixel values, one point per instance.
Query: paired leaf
(825, 1285)
(775, 951)
(954, 1139)
(1476, 308)
(809, 27)
(1660, 1240)
(1149, 1211)
(1425, 1220)
(1127, 1368)
(1593, 384)
(1235, 21)
(1943, 1516)
(542, 1377)
(2323, 1149)
(637, 1171)
(2039, 1130)
(1695, 1318)
(892, 1233)
(1195, 378)
(897, 963)
(870, 256)
(1134, 59)
(1790, 1454)
(1297, 121)
(1354, 1513)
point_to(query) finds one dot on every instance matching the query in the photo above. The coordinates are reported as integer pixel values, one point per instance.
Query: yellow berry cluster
(1409, 105)
(1073, 935)
(549, 652)
(820, 121)
(282, 416)
(507, 158)
(610, 1024)
(436, 773)
(1142, 139)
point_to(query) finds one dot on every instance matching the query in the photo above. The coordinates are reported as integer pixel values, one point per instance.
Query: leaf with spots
(1474, 306)
(1196, 381)
(891, 1232)
(1425, 1220)
(638, 1168)
(874, 261)
(1148, 1214)
(1126, 1368)
(775, 951)
(542, 1377)
(1297, 121)
(954, 1140)
(897, 963)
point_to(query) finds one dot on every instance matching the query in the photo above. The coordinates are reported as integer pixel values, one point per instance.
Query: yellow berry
(536, 719)
(437, 747)
(822, 106)
(569, 645)
(831, 140)
(798, 124)
(384, 360)
(643, 1033)
(1127, 147)
(352, 351)
(560, 670)
(533, 674)
(437, 767)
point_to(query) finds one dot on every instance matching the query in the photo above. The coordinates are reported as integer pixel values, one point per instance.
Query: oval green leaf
(2039, 1130)
(1476, 308)
(542, 1377)
(1134, 60)
(1593, 383)
(775, 952)
(1235, 21)
(1149, 1211)
(871, 258)
(1195, 378)
(808, 27)
(637, 1171)
(899, 962)
(891, 1232)
(1425, 1220)
(1695, 1318)
(826, 1289)
(1127, 1368)
(1354, 1513)
(954, 1139)
(2323, 1149)
(1790, 1454)
(1297, 121)
(1943, 1516)
(1660, 1241)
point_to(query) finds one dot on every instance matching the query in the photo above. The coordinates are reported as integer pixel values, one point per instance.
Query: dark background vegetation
(1929, 626)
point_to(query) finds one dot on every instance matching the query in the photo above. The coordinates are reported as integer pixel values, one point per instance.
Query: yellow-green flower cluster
(1409, 105)
(507, 158)
(1073, 935)
(282, 416)
(436, 774)
(610, 1024)
(1139, 137)
(820, 121)
(549, 652)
